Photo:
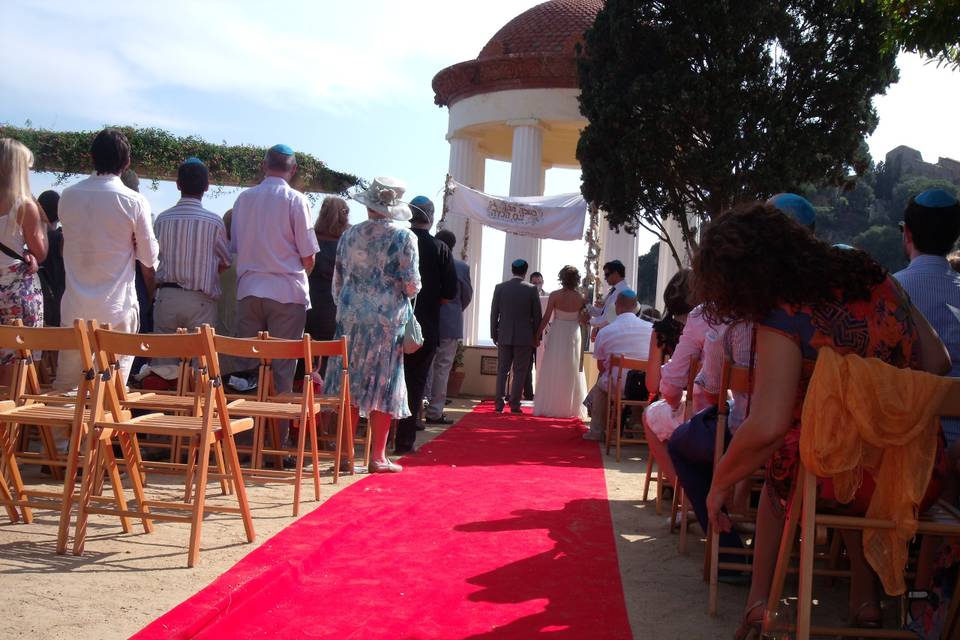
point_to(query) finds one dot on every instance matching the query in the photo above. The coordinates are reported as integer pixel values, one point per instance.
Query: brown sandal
(751, 629)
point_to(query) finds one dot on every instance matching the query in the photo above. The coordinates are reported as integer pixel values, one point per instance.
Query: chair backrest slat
(20, 338)
(150, 345)
(272, 349)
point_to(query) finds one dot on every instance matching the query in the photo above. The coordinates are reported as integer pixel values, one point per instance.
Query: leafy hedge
(156, 154)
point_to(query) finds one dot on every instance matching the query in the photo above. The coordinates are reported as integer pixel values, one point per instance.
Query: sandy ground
(122, 582)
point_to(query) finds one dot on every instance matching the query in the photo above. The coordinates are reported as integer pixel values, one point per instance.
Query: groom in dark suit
(514, 320)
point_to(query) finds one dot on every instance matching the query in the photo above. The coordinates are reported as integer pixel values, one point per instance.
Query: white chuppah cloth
(558, 217)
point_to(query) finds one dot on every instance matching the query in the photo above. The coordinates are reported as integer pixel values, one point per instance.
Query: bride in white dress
(561, 385)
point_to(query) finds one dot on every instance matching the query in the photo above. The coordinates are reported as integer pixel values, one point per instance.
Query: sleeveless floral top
(880, 327)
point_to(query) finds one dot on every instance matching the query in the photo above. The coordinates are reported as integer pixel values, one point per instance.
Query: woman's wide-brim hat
(384, 196)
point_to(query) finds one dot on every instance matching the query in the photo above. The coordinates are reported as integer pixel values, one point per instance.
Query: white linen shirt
(106, 229)
(628, 335)
(606, 315)
(270, 235)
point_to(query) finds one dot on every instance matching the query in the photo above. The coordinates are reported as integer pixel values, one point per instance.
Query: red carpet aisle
(497, 529)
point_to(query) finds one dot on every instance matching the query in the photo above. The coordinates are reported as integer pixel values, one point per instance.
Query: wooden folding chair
(624, 434)
(679, 503)
(266, 407)
(344, 438)
(941, 520)
(24, 411)
(212, 424)
(732, 380)
(185, 400)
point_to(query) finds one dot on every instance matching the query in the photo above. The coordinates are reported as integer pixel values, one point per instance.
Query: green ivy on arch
(156, 155)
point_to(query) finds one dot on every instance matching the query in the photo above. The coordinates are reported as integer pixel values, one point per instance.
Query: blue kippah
(936, 199)
(797, 207)
(628, 293)
(420, 201)
(282, 149)
(193, 160)
(518, 263)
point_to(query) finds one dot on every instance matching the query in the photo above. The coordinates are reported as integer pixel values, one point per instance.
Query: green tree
(884, 243)
(910, 186)
(647, 275)
(694, 105)
(928, 27)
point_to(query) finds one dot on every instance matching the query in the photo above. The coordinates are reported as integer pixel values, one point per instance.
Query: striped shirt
(193, 247)
(934, 289)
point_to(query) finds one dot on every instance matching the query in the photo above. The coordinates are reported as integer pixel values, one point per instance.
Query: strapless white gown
(561, 386)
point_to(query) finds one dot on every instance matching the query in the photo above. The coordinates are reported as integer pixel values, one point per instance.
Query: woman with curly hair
(756, 264)
(561, 386)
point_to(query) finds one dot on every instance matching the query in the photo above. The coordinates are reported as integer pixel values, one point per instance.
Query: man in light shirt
(603, 313)
(628, 335)
(107, 228)
(275, 245)
(193, 253)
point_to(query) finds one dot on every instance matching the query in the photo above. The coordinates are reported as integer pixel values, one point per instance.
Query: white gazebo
(517, 102)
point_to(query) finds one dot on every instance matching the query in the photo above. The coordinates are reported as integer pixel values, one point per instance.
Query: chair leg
(787, 539)
(129, 445)
(87, 486)
(69, 482)
(221, 470)
(646, 481)
(315, 456)
(684, 519)
(10, 460)
(807, 540)
(199, 496)
(116, 484)
(236, 474)
(192, 460)
(298, 472)
(339, 446)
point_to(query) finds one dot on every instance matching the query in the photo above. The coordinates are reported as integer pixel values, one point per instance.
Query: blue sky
(346, 82)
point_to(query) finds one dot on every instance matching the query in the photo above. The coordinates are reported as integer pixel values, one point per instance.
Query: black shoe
(403, 450)
(499, 409)
(517, 410)
(448, 401)
(289, 462)
(420, 426)
(441, 420)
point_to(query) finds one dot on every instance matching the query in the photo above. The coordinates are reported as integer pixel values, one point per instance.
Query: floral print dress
(21, 297)
(376, 273)
(880, 327)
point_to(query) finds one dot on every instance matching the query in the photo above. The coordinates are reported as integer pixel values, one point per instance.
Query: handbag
(412, 333)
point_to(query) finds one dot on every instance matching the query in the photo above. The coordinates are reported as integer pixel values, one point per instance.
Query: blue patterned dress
(376, 272)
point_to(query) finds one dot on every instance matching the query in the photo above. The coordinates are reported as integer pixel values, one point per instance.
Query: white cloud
(333, 56)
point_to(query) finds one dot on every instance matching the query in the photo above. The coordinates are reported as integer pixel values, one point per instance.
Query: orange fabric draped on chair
(865, 415)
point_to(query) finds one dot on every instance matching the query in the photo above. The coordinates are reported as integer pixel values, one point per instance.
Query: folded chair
(618, 434)
(941, 520)
(23, 410)
(300, 409)
(212, 424)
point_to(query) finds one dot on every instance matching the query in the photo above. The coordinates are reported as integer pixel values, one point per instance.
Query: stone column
(467, 167)
(526, 179)
(666, 265)
(622, 246)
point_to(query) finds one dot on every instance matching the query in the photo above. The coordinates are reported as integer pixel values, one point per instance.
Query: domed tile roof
(535, 50)
(551, 28)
